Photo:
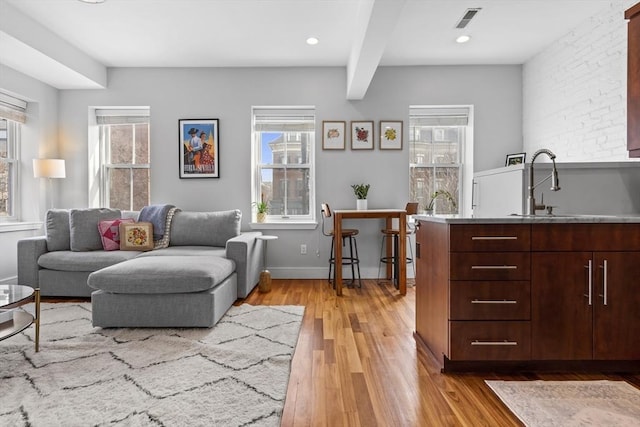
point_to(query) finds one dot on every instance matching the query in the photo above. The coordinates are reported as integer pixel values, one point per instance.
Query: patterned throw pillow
(110, 233)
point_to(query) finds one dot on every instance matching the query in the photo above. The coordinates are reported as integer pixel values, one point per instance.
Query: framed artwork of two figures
(199, 148)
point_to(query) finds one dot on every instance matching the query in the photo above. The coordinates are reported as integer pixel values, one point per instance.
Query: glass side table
(15, 320)
(265, 276)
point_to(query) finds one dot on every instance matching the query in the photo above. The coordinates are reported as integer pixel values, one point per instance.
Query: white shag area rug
(234, 374)
(571, 403)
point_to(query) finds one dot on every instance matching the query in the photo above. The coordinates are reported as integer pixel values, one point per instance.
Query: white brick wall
(574, 92)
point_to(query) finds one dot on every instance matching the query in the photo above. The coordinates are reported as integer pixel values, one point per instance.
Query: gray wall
(228, 94)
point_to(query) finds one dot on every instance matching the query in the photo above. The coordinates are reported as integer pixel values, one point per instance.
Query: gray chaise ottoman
(165, 291)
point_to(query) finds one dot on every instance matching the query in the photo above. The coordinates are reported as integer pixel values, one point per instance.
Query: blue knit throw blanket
(156, 215)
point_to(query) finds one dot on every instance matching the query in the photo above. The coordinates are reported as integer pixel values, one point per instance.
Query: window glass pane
(140, 188)
(447, 179)
(142, 143)
(421, 187)
(297, 191)
(121, 138)
(120, 188)
(5, 188)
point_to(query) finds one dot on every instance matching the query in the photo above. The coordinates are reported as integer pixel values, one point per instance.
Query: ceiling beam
(374, 26)
(30, 48)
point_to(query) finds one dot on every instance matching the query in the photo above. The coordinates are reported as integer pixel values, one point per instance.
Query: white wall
(228, 94)
(574, 92)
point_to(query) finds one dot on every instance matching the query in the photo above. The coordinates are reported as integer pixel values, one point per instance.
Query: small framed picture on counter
(515, 159)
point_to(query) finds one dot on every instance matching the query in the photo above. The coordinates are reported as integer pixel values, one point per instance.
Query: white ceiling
(357, 34)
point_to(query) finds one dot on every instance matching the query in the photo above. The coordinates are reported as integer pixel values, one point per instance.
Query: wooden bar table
(388, 215)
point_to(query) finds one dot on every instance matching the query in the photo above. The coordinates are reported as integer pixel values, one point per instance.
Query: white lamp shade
(48, 168)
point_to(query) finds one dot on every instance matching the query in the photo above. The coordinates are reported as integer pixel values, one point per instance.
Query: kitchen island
(529, 292)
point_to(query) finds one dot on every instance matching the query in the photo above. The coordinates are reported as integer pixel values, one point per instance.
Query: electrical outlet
(303, 249)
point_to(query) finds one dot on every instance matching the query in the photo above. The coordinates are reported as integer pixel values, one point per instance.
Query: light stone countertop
(529, 219)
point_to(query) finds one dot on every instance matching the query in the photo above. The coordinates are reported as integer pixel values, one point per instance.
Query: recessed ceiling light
(92, 1)
(463, 38)
(312, 41)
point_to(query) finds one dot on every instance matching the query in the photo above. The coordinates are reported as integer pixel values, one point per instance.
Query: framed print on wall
(333, 135)
(362, 135)
(199, 150)
(391, 134)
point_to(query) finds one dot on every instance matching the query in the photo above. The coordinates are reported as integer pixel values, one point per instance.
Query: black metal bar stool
(347, 234)
(412, 209)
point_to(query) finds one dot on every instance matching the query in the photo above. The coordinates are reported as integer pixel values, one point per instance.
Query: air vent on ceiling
(468, 16)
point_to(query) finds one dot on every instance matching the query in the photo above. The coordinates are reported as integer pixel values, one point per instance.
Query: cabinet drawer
(507, 300)
(507, 340)
(585, 237)
(490, 237)
(490, 266)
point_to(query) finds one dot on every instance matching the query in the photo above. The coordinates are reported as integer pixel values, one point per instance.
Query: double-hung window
(283, 162)
(439, 145)
(12, 115)
(124, 157)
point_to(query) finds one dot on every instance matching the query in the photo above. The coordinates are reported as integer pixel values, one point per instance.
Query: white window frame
(101, 168)
(13, 131)
(465, 157)
(276, 221)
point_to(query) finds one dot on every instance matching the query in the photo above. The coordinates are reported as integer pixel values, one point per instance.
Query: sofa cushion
(83, 227)
(204, 228)
(57, 230)
(187, 251)
(109, 230)
(162, 275)
(83, 261)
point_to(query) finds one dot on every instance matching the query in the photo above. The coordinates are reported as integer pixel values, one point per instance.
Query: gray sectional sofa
(208, 264)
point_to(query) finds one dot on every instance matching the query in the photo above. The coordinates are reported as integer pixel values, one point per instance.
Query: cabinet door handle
(500, 343)
(494, 237)
(589, 295)
(604, 282)
(492, 301)
(494, 267)
(474, 183)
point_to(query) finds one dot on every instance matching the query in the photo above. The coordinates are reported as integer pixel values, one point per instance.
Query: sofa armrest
(29, 250)
(246, 251)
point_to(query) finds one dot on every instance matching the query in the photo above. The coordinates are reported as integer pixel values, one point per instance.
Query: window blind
(283, 120)
(122, 116)
(439, 116)
(12, 108)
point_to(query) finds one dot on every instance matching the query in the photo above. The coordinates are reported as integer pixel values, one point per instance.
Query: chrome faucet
(532, 207)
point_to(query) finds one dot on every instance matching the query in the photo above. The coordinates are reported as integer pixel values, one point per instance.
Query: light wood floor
(356, 364)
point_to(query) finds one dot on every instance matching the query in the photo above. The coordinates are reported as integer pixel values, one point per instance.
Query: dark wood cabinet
(473, 291)
(633, 81)
(585, 305)
(532, 295)
(562, 326)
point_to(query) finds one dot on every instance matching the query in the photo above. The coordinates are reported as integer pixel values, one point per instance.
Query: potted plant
(361, 191)
(262, 208)
(434, 196)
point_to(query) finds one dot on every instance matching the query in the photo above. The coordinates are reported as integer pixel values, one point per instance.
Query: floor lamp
(49, 168)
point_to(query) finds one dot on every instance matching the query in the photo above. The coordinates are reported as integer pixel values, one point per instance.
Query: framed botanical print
(199, 148)
(333, 135)
(391, 134)
(362, 135)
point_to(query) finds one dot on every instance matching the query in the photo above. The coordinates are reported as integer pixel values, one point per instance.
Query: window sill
(310, 225)
(6, 227)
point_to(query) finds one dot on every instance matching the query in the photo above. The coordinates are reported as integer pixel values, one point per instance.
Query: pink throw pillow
(110, 233)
